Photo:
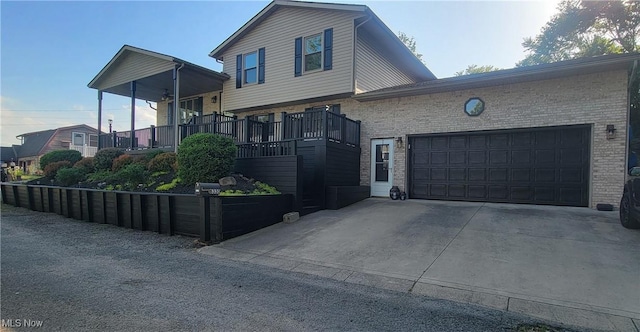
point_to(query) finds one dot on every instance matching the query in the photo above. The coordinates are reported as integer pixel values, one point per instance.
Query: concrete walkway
(574, 266)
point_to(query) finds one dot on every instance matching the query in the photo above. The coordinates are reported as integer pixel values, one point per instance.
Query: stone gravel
(79, 276)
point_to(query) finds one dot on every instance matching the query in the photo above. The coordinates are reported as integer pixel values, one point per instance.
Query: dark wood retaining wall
(212, 219)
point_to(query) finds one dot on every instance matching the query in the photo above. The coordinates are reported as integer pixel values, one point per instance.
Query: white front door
(381, 166)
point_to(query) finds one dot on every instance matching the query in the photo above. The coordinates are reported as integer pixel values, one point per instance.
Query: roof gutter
(355, 43)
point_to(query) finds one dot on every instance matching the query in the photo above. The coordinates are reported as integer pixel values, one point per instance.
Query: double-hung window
(314, 52)
(250, 68)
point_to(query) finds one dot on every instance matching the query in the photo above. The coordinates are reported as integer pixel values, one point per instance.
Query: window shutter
(238, 71)
(328, 49)
(298, 61)
(261, 66)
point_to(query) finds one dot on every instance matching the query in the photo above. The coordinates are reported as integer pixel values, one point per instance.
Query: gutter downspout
(355, 44)
(176, 106)
(632, 76)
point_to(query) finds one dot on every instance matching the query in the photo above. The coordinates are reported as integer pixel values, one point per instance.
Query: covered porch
(145, 75)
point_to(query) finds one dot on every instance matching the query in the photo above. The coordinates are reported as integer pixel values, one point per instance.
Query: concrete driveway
(574, 266)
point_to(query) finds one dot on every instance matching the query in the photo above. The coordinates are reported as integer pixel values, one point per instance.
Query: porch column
(176, 107)
(99, 117)
(133, 114)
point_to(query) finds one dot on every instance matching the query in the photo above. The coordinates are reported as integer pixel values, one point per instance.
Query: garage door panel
(536, 165)
(438, 190)
(498, 157)
(498, 141)
(457, 174)
(477, 174)
(457, 157)
(521, 157)
(521, 139)
(498, 193)
(544, 194)
(458, 142)
(457, 191)
(477, 157)
(438, 174)
(440, 143)
(477, 191)
(477, 142)
(521, 175)
(544, 175)
(498, 174)
(545, 157)
(438, 158)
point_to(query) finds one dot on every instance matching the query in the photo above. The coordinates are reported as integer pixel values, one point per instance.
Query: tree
(410, 43)
(584, 29)
(475, 69)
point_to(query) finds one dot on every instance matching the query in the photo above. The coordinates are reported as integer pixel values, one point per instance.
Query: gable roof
(374, 25)
(8, 153)
(35, 142)
(154, 73)
(507, 76)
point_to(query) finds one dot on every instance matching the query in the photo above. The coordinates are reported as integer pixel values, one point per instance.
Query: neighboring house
(34, 145)
(547, 134)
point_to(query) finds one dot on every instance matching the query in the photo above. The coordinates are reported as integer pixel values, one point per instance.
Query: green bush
(164, 162)
(85, 165)
(152, 154)
(103, 160)
(168, 186)
(100, 176)
(205, 158)
(70, 176)
(72, 156)
(120, 162)
(132, 175)
(52, 168)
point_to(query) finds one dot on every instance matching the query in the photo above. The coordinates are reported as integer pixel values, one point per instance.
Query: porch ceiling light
(165, 95)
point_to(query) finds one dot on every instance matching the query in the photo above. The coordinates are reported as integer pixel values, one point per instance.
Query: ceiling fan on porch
(166, 96)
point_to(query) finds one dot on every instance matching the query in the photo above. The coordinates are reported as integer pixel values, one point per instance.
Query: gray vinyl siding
(133, 66)
(277, 35)
(373, 70)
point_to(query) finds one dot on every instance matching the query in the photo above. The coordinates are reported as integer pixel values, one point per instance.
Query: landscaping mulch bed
(242, 183)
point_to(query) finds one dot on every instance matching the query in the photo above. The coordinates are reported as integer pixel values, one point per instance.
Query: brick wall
(596, 99)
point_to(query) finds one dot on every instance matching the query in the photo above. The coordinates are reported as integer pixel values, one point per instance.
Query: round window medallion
(474, 106)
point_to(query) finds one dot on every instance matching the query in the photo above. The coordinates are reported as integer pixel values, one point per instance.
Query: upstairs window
(250, 68)
(314, 52)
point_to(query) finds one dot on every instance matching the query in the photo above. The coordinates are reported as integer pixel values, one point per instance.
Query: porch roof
(153, 73)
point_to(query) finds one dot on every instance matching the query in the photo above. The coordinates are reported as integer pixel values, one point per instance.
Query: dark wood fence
(212, 219)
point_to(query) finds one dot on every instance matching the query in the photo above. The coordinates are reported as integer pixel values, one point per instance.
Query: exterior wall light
(214, 99)
(611, 131)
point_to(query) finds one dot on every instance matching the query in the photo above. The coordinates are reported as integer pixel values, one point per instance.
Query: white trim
(381, 188)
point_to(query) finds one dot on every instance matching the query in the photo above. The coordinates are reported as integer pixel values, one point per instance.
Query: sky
(50, 51)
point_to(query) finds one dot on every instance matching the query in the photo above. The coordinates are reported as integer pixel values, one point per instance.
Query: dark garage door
(537, 165)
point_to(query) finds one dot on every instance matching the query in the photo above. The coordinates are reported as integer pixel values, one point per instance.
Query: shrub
(164, 162)
(70, 176)
(72, 156)
(152, 154)
(121, 161)
(103, 160)
(85, 165)
(205, 158)
(132, 175)
(168, 186)
(52, 169)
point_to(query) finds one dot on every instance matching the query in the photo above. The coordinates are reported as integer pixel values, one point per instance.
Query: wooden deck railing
(250, 135)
